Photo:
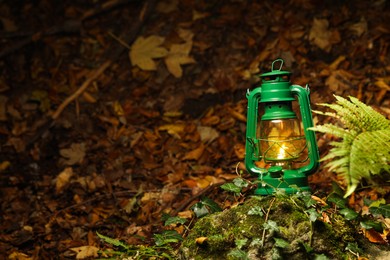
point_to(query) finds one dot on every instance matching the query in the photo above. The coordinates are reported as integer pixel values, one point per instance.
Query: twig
(82, 88)
(96, 198)
(266, 219)
(194, 197)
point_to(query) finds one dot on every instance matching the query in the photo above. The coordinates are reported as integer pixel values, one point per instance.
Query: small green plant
(162, 248)
(363, 149)
(122, 250)
(205, 207)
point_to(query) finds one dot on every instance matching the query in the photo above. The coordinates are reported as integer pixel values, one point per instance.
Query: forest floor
(114, 112)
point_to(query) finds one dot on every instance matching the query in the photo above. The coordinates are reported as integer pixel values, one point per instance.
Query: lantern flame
(282, 152)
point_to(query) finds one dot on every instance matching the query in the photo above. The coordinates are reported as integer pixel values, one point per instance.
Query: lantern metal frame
(277, 94)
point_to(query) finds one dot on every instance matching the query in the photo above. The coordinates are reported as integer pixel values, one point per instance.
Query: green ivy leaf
(321, 257)
(353, 247)
(239, 182)
(200, 210)
(337, 189)
(271, 225)
(279, 242)
(204, 207)
(231, 187)
(313, 214)
(256, 210)
(166, 237)
(306, 198)
(213, 206)
(238, 254)
(369, 224)
(383, 210)
(377, 203)
(175, 220)
(112, 241)
(338, 200)
(240, 242)
(307, 247)
(349, 214)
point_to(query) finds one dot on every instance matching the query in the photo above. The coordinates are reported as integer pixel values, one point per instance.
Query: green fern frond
(364, 146)
(332, 129)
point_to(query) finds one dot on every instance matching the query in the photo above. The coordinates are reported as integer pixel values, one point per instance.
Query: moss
(293, 226)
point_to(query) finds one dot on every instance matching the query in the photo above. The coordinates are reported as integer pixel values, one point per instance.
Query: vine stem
(266, 219)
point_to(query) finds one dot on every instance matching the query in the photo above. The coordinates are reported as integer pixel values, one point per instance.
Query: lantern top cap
(276, 72)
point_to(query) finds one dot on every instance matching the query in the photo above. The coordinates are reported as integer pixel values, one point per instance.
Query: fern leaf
(364, 146)
(330, 129)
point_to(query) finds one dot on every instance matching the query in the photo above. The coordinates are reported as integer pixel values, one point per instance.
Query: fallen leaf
(186, 35)
(239, 150)
(200, 240)
(4, 165)
(173, 129)
(382, 84)
(195, 154)
(178, 55)
(167, 6)
(339, 80)
(63, 178)
(85, 251)
(321, 36)
(19, 256)
(3, 108)
(374, 236)
(237, 115)
(8, 25)
(74, 154)
(207, 134)
(198, 15)
(360, 27)
(144, 50)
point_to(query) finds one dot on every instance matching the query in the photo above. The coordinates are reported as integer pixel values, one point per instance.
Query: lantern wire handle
(281, 64)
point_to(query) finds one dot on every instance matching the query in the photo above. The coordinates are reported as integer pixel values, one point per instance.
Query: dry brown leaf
(167, 6)
(239, 150)
(237, 115)
(382, 84)
(374, 236)
(339, 80)
(186, 35)
(198, 15)
(321, 36)
(207, 134)
(360, 27)
(74, 154)
(8, 25)
(144, 50)
(200, 240)
(3, 108)
(85, 251)
(195, 154)
(178, 55)
(173, 129)
(4, 165)
(19, 256)
(336, 62)
(63, 179)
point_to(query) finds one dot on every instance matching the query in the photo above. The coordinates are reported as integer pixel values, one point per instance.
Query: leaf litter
(119, 157)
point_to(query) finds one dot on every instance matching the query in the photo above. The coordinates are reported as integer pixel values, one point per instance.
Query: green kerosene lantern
(280, 149)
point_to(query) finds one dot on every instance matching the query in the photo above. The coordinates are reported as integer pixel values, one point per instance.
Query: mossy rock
(237, 233)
